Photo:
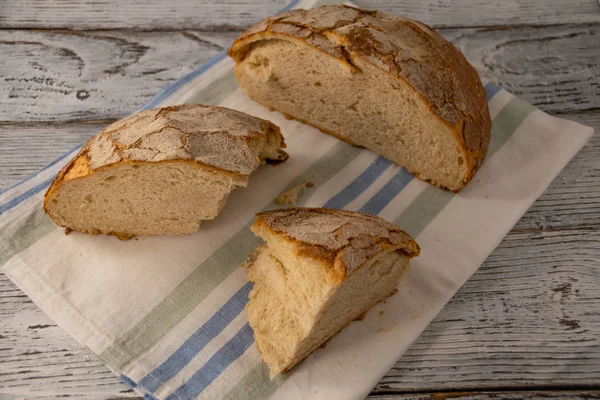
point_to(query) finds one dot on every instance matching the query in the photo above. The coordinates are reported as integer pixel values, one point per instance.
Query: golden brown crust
(408, 50)
(343, 239)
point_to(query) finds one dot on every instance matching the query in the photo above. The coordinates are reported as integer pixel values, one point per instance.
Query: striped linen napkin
(167, 313)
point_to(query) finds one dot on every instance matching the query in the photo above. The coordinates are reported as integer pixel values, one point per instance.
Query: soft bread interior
(367, 107)
(297, 303)
(142, 198)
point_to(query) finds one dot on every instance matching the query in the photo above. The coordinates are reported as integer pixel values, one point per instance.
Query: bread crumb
(415, 316)
(79, 254)
(386, 329)
(68, 230)
(381, 312)
(290, 197)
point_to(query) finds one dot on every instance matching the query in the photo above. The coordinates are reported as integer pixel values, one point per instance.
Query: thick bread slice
(161, 171)
(319, 270)
(376, 80)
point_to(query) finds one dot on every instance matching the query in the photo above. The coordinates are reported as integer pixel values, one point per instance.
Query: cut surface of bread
(161, 171)
(376, 80)
(319, 270)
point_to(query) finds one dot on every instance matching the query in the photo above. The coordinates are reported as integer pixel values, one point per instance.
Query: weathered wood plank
(521, 395)
(528, 318)
(208, 15)
(28, 148)
(573, 200)
(39, 360)
(61, 75)
(555, 68)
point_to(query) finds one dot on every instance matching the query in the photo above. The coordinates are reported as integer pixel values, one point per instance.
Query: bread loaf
(319, 270)
(161, 171)
(376, 80)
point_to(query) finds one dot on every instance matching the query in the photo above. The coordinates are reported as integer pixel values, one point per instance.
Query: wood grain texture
(28, 148)
(55, 76)
(39, 360)
(528, 318)
(572, 202)
(63, 75)
(554, 68)
(216, 15)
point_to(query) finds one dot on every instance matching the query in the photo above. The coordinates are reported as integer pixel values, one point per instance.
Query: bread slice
(376, 80)
(161, 171)
(319, 270)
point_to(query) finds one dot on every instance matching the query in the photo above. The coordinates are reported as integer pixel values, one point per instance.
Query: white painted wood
(572, 202)
(47, 76)
(39, 360)
(239, 14)
(26, 149)
(528, 318)
(50, 76)
(555, 68)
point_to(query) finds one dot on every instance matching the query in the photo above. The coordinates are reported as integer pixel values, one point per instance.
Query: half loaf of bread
(319, 270)
(161, 171)
(380, 81)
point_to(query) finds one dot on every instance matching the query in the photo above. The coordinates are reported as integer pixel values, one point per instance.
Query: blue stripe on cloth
(359, 184)
(195, 343)
(215, 366)
(148, 396)
(128, 381)
(491, 89)
(216, 324)
(387, 193)
(25, 195)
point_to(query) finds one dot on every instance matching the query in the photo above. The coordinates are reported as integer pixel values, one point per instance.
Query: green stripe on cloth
(19, 236)
(433, 200)
(256, 384)
(248, 389)
(208, 275)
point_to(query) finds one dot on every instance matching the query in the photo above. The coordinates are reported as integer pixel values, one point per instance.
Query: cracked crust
(408, 50)
(208, 137)
(342, 239)
(215, 137)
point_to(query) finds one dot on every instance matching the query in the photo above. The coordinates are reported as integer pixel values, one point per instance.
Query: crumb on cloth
(290, 197)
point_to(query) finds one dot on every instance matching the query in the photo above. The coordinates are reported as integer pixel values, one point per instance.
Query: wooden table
(527, 325)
